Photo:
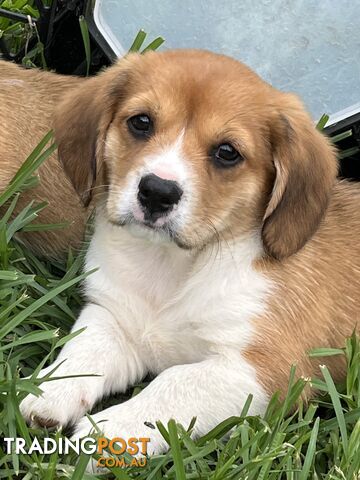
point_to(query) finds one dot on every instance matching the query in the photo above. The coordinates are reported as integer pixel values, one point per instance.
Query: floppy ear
(81, 122)
(306, 168)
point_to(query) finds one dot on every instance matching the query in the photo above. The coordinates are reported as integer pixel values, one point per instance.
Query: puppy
(226, 249)
(28, 99)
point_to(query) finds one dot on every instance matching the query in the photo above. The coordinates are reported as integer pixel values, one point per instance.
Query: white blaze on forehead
(169, 162)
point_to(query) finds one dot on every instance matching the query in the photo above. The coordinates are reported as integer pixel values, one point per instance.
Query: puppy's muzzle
(158, 196)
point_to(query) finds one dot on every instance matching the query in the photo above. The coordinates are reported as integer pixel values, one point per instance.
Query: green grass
(38, 305)
(18, 34)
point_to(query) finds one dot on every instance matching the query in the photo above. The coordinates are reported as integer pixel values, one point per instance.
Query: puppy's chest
(174, 301)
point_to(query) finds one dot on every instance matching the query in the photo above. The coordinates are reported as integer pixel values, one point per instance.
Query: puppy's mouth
(164, 231)
(147, 223)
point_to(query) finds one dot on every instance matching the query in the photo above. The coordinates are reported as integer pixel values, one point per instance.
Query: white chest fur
(153, 307)
(180, 306)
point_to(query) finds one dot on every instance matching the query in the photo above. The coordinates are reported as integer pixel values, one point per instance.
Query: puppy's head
(191, 146)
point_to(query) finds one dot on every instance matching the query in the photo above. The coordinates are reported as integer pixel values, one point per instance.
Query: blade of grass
(154, 45)
(310, 454)
(176, 451)
(86, 41)
(139, 40)
(337, 406)
(34, 160)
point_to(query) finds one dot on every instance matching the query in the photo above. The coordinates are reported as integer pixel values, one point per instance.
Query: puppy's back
(27, 102)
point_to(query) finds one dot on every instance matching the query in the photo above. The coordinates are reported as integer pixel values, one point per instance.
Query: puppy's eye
(225, 155)
(140, 125)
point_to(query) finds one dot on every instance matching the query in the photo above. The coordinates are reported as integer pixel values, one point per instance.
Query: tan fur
(285, 188)
(81, 122)
(27, 102)
(317, 302)
(305, 176)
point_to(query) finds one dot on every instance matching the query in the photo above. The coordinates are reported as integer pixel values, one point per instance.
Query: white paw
(62, 402)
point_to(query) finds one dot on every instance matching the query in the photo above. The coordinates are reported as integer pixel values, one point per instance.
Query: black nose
(158, 196)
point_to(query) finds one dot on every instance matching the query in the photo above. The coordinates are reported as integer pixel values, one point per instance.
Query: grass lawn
(39, 301)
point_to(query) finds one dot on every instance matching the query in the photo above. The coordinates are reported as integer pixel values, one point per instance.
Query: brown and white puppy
(226, 248)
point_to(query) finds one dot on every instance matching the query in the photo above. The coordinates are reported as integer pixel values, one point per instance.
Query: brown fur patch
(81, 122)
(306, 168)
(316, 302)
(28, 99)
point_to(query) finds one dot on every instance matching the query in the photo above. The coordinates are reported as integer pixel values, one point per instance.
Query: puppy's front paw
(62, 402)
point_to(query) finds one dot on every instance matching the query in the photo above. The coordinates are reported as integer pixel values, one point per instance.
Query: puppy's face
(188, 158)
(193, 148)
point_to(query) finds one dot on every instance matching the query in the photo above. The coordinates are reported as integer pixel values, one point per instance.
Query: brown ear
(81, 122)
(306, 168)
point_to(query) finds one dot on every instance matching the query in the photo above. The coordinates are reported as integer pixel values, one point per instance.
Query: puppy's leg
(101, 349)
(211, 391)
